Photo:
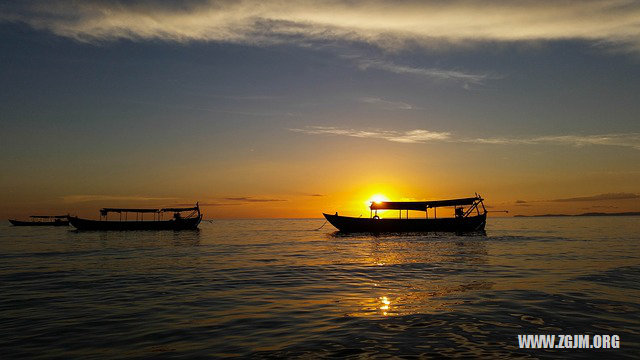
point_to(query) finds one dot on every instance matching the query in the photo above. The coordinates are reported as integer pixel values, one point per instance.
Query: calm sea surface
(276, 288)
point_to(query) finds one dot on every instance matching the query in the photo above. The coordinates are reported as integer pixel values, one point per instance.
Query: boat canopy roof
(195, 208)
(421, 205)
(48, 216)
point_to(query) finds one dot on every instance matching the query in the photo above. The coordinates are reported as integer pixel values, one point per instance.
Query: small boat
(157, 221)
(42, 220)
(471, 219)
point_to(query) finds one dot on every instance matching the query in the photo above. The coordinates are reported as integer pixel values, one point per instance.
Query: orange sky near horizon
(354, 201)
(329, 174)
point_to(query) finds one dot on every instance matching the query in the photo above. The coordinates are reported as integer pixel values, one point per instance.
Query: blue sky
(140, 102)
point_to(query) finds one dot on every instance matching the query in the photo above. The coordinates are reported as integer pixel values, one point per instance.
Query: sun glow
(377, 198)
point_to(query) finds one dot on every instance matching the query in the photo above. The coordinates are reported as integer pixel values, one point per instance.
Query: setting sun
(377, 198)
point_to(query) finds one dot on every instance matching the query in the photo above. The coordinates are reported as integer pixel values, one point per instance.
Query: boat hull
(39, 223)
(357, 225)
(99, 225)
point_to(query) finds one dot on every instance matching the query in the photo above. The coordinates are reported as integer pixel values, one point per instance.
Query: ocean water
(277, 288)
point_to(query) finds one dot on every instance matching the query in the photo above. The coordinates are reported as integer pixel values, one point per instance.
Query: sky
(294, 108)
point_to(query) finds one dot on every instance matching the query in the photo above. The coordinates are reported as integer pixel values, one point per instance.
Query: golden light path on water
(276, 287)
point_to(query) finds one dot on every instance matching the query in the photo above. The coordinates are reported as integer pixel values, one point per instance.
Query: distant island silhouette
(629, 213)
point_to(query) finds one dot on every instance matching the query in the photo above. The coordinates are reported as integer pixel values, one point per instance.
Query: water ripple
(245, 288)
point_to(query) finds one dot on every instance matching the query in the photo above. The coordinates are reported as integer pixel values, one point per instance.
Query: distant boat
(471, 219)
(42, 220)
(157, 221)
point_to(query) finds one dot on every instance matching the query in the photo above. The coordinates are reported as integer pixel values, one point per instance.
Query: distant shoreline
(629, 213)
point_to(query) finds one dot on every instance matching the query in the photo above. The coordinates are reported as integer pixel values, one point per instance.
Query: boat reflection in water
(178, 222)
(42, 220)
(471, 219)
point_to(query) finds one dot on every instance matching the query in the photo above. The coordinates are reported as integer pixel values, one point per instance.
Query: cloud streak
(212, 204)
(252, 199)
(386, 24)
(386, 104)
(429, 73)
(412, 136)
(600, 197)
(629, 140)
(135, 198)
(226, 201)
(235, 201)
(590, 198)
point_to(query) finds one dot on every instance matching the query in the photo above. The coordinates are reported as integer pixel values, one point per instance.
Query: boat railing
(475, 206)
(157, 213)
(474, 202)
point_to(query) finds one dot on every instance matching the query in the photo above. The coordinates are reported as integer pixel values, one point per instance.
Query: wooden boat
(42, 220)
(177, 222)
(465, 220)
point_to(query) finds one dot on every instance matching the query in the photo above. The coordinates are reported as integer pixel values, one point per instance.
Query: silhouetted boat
(43, 220)
(177, 222)
(464, 220)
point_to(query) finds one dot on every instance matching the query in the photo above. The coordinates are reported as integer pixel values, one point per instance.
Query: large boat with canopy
(469, 215)
(42, 220)
(155, 219)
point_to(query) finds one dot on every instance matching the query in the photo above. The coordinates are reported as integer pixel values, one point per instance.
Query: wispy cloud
(601, 207)
(224, 201)
(600, 197)
(252, 199)
(234, 201)
(386, 104)
(385, 23)
(589, 198)
(207, 204)
(430, 73)
(412, 136)
(134, 198)
(630, 140)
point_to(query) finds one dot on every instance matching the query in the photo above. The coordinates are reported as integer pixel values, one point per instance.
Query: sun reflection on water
(385, 305)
